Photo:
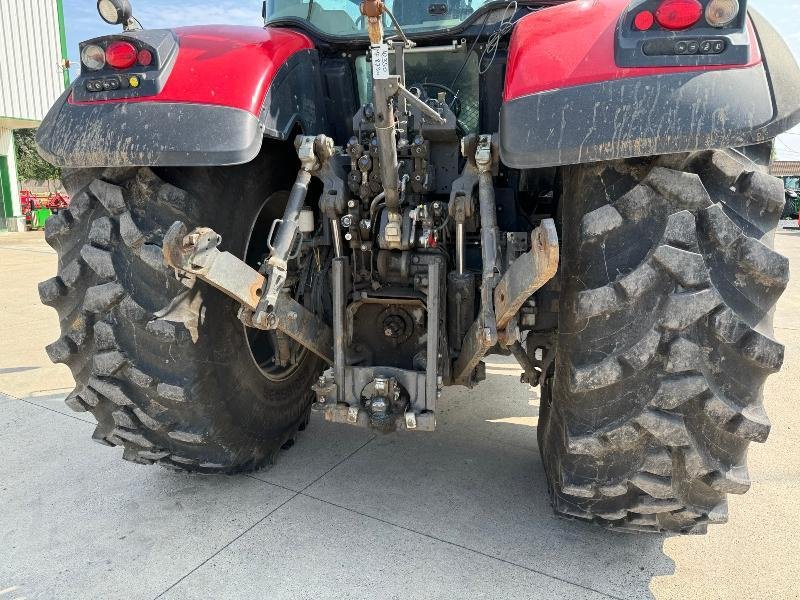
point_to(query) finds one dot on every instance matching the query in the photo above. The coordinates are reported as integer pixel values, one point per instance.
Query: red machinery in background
(36, 208)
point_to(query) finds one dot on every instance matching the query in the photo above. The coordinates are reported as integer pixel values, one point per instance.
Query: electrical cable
(493, 43)
(471, 48)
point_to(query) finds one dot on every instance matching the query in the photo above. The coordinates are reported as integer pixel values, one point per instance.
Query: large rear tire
(665, 339)
(167, 371)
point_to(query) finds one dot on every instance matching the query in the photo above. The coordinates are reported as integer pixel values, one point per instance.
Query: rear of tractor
(315, 215)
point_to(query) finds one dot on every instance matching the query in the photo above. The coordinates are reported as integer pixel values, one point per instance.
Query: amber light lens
(678, 14)
(720, 13)
(121, 55)
(93, 57)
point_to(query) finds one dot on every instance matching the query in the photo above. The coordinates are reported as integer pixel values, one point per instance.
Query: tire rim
(260, 343)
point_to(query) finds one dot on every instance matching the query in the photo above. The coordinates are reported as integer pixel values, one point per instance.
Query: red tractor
(347, 209)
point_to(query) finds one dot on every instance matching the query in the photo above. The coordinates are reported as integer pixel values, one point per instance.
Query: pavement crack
(346, 458)
(294, 495)
(253, 526)
(462, 547)
(301, 490)
(52, 410)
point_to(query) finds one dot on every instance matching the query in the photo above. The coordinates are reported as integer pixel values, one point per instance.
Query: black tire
(167, 371)
(665, 339)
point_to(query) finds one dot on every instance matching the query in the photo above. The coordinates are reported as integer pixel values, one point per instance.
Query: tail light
(117, 67)
(644, 20)
(670, 33)
(677, 15)
(121, 55)
(145, 58)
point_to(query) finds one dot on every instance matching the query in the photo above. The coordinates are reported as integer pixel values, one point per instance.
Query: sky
(83, 22)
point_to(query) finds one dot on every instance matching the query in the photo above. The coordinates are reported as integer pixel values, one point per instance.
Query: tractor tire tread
(670, 331)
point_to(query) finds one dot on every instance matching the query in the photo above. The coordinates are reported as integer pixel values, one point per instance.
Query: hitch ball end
(172, 247)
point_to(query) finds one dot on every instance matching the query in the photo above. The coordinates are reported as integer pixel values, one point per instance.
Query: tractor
(346, 209)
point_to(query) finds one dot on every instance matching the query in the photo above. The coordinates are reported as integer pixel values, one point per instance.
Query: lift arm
(197, 253)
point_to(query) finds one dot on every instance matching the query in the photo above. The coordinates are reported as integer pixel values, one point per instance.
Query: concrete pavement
(461, 513)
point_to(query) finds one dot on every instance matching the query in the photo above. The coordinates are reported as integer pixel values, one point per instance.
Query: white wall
(7, 149)
(31, 74)
(31, 77)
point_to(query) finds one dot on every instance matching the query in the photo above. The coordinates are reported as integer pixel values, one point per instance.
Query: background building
(33, 51)
(789, 170)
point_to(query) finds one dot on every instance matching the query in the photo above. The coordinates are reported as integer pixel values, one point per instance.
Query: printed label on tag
(380, 62)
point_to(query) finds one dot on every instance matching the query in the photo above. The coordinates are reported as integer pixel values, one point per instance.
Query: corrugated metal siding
(31, 77)
(785, 168)
(5, 137)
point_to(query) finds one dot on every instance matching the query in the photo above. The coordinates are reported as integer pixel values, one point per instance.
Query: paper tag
(380, 61)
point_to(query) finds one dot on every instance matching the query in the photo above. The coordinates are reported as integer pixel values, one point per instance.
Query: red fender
(210, 98)
(573, 44)
(226, 65)
(568, 99)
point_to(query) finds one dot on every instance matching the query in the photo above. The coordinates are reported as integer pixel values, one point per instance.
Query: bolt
(348, 236)
(351, 204)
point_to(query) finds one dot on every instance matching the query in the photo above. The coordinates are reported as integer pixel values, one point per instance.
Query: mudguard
(568, 100)
(223, 91)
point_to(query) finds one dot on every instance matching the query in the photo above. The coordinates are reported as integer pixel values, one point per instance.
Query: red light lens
(121, 55)
(145, 58)
(644, 20)
(678, 14)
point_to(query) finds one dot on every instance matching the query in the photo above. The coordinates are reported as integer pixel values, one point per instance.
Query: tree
(29, 164)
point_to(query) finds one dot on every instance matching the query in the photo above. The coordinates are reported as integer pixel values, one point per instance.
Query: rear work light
(677, 15)
(720, 13)
(121, 55)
